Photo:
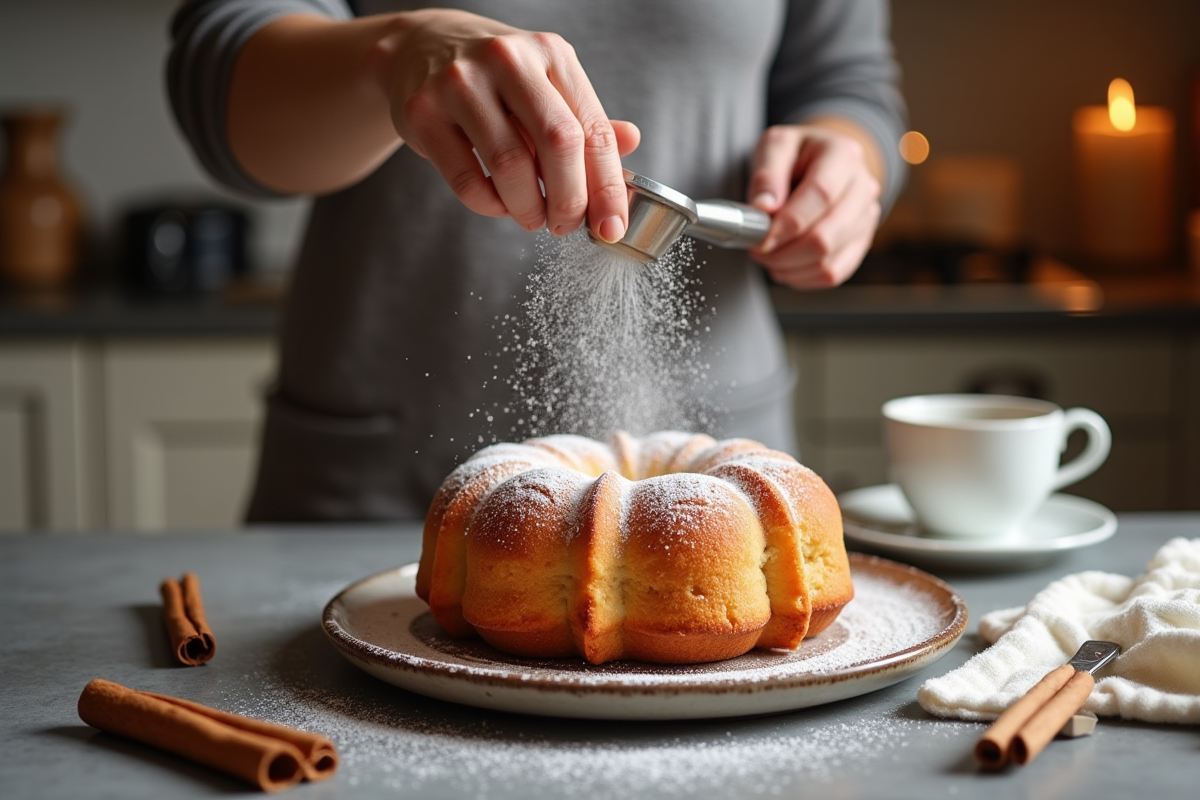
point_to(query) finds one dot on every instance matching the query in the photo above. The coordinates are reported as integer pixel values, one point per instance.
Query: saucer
(878, 518)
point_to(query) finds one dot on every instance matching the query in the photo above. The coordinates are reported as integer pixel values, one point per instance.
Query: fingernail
(611, 229)
(563, 230)
(768, 244)
(763, 200)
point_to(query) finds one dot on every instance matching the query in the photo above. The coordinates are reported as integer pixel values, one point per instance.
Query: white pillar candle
(1124, 181)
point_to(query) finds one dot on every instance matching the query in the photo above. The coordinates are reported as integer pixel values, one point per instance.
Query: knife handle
(1048, 721)
(992, 749)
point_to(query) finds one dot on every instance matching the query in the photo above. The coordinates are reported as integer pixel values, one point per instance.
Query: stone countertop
(78, 607)
(1056, 298)
(244, 309)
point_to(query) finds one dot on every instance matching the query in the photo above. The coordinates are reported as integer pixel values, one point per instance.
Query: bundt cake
(671, 548)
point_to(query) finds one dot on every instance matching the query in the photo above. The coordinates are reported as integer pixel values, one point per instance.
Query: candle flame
(1121, 110)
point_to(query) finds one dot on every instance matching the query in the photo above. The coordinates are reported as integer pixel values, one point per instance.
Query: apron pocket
(315, 467)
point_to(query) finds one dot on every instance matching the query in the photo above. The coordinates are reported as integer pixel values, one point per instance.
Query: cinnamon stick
(992, 749)
(320, 758)
(1048, 721)
(271, 757)
(192, 641)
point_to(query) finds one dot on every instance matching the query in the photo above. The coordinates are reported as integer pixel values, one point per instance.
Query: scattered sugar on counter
(390, 739)
(417, 754)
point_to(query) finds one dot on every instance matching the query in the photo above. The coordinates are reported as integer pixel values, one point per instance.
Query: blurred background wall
(985, 76)
(1004, 76)
(123, 414)
(104, 61)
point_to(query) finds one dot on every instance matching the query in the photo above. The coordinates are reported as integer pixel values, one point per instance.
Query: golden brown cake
(672, 548)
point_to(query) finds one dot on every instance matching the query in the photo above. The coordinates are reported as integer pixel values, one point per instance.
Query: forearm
(308, 111)
(835, 63)
(507, 116)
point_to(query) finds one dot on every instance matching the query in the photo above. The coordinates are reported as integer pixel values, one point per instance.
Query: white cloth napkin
(1155, 618)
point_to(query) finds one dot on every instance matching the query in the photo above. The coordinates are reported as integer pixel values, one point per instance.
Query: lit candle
(1123, 159)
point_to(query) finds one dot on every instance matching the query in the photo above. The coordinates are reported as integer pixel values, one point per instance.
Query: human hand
(521, 100)
(821, 229)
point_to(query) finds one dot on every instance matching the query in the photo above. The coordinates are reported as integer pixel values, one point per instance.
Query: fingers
(822, 228)
(504, 150)
(773, 167)
(826, 166)
(435, 136)
(629, 136)
(606, 197)
(523, 103)
(829, 251)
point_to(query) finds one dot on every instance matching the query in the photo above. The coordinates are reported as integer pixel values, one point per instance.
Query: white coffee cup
(979, 466)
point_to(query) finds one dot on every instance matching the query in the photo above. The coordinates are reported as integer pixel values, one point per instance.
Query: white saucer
(879, 519)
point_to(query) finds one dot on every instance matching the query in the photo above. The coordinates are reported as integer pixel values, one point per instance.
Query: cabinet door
(44, 438)
(182, 422)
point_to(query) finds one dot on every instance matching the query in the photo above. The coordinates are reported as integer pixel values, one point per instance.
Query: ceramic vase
(40, 216)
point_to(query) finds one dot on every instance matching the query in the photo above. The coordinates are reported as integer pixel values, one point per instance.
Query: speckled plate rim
(507, 687)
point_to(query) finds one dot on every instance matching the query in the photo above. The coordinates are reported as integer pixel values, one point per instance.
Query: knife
(1028, 725)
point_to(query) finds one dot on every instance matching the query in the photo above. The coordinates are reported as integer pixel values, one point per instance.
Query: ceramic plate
(900, 620)
(880, 519)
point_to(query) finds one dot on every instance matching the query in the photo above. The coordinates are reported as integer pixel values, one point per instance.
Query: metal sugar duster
(659, 215)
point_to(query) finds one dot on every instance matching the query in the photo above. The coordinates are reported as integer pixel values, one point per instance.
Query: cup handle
(1093, 455)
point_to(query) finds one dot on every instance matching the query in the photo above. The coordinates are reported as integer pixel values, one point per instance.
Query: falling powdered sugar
(607, 342)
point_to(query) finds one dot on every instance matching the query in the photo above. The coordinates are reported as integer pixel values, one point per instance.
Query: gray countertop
(112, 313)
(1168, 301)
(78, 607)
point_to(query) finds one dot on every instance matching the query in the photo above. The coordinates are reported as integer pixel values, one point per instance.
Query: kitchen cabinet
(46, 446)
(129, 433)
(118, 412)
(1145, 384)
(181, 420)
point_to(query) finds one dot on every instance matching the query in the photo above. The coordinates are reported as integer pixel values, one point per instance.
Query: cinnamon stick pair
(1028, 725)
(192, 641)
(272, 757)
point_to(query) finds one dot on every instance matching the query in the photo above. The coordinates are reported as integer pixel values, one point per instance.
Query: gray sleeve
(835, 57)
(206, 38)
